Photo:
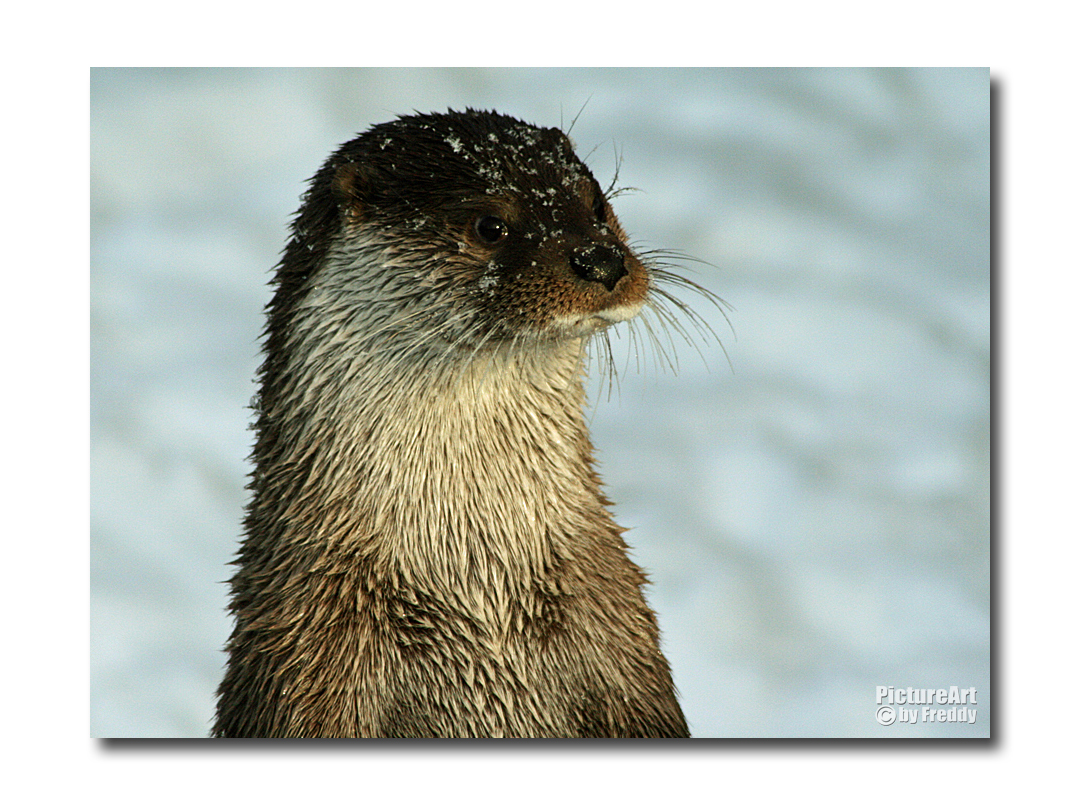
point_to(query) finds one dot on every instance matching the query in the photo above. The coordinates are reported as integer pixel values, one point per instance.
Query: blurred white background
(815, 517)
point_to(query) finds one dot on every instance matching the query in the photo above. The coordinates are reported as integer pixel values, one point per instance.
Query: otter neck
(466, 472)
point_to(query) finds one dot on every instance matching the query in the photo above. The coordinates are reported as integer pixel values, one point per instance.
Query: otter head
(492, 223)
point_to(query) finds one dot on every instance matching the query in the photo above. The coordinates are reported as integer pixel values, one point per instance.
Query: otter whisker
(660, 356)
(659, 263)
(699, 322)
(606, 361)
(671, 321)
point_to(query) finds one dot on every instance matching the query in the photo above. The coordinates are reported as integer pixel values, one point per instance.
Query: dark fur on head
(428, 552)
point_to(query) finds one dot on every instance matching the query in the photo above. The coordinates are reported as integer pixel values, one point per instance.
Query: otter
(428, 551)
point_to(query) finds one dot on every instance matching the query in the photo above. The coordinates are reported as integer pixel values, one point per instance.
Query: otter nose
(599, 263)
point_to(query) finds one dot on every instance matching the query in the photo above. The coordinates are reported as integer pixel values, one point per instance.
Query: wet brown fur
(428, 552)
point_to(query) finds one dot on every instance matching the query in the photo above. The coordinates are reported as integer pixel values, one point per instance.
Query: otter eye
(491, 229)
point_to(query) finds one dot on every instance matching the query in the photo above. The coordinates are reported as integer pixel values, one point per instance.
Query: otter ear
(351, 188)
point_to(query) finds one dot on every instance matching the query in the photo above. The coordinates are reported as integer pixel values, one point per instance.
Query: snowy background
(815, 517)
